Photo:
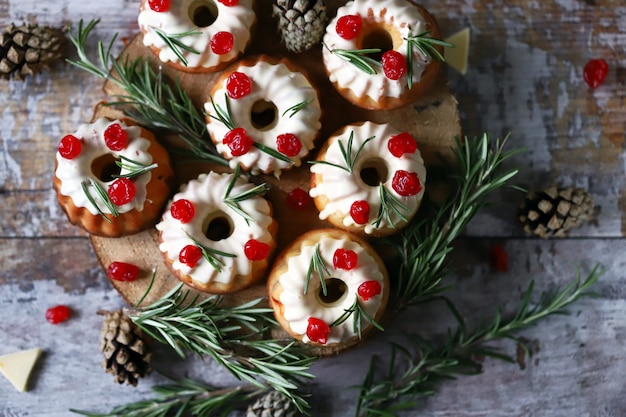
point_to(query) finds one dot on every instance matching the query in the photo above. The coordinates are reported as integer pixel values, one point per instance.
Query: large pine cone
(126, 355)
(301, 23)
(272, 404)
(26, 49)
(556, 210)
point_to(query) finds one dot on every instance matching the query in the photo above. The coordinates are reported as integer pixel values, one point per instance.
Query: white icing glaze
(399, 14)
(236, 20)
(342, 188)
(207, 195)
(298, 307)
(277, 84)
(74, 172)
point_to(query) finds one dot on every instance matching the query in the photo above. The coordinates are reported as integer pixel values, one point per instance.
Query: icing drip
(271, 83)
(74, 172)
(298, 307)
(207, 193)
(399, 14)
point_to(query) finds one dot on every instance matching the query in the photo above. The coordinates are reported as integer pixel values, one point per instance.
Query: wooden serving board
(433, 120)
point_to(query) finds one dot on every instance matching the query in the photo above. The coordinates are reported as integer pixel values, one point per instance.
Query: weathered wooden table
(525, 76)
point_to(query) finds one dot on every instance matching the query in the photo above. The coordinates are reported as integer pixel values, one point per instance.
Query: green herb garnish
(318, 266)
(176, 45)
(103, 196)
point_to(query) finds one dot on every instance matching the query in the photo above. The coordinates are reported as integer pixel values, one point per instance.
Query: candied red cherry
(182, 210)
(159, 5)
(349, 26)
(360, 211)
(222, 43)
(401, 144)
(288, 144)
(190, 255)
(394, 64)
(115, 137)
(238, 85)
(499, 259)
(369, 289)
(595, 72)
(70, 147)
(345, 259)
(122, 191)
(406, 183)
(238, 141)
(317, 331)
(298, 199)
(58, 314)
(229, 3)
(255, 250)
(122, 271)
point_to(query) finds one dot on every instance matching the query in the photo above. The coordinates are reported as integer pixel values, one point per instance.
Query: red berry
(394, 64)
(238, 85)
(369, 289)
(70, 147)
(406, 183)
(57, 314)
(499, 259)
(317, 331)
(222, 43)
(122, 271)
(595, 72)
(182, 210)
(229, 3)
(349, 26)
(288, 144)
(159, 5)
(115, 137)
(255, 250)
(360, 211)
(345, 259)
(190, 255)
(122, 191)
(402, 143)
(298, 199)
(238, 141)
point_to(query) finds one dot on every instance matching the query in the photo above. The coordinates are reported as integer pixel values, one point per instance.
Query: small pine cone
(301, 23)
(26, 49)
(126, 355)
(272, 404)
(554, 211)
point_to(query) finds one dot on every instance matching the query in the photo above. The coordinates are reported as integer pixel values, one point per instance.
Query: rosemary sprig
(425, 364)
(211, 255)
(293, 110)
(103, 196)
(389, 204)
(233, 201)
(426, 46)
(358, 313)
(172, 41)
(204, 327)
(346, 153)
(318, 266)
(184, 397)
(359, 58)
(147, 98)
(134, 168)
(424, 245)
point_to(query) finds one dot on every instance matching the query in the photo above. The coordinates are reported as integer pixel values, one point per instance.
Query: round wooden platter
(433, 120)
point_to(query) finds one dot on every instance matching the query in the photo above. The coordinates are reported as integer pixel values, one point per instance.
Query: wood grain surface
(524, 77)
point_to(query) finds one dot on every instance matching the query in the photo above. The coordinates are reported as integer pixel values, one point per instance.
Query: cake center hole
(105, 168)
(263, 115)
(377, 38)
(218, 228)
(373, 172)
(335, 291)
(203, 13)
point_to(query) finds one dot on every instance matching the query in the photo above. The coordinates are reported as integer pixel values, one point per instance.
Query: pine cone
(554, 211)
(272, 404)
(26, 49)
(301, 23)
(126, 355)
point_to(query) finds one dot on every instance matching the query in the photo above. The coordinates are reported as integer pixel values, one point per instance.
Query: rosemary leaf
(427, 47)
(104, 197)
(358, 313)
(211, 255)
(224, 116)
(318, 266)
(359, 58)
(389, 204)
(173, 42)
(233, 201)
(134, 168)
(296, 108)
(272, 152)
(346, 152)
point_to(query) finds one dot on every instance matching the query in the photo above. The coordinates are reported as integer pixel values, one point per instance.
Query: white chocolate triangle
(16, 367)
(457, 57)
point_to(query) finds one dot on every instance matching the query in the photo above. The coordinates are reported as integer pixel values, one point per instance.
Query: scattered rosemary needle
(173, 42)
(233, 201)
(389, 204)
(359, 58)
(346, 153)
(358, 313)
(134, 169)
(427, 47)
(318, 266)
(296, 108)
(104, 197)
